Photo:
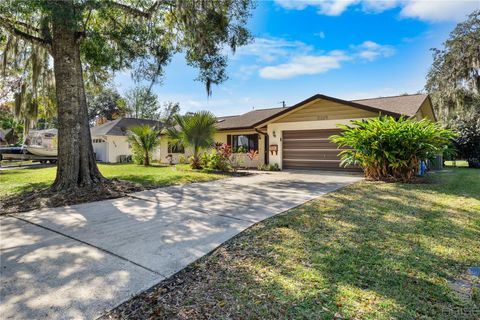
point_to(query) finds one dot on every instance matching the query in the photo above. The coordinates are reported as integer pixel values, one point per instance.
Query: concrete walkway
(77, 262)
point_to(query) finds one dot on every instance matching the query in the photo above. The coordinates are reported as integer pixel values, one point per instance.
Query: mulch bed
(44, 198)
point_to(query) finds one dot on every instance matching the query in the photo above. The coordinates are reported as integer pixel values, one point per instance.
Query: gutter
(262, 133)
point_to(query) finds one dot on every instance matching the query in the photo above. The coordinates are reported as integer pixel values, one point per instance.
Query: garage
(311, 149)
(100, 149)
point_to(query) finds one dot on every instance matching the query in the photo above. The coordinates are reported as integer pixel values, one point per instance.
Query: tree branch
(24, 35)
(21, 23)
(137, 12)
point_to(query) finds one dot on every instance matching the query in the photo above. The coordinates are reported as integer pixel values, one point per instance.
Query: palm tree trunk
(146, 160)
(76, 162)
(195, 163)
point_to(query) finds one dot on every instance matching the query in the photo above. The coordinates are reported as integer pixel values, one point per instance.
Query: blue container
(422, 168)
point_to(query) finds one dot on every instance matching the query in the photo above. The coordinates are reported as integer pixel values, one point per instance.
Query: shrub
(196, 131)
(182, 159)
(143, 140)
(138, 155)
(391, 149)
(218, 159)
(240, 149)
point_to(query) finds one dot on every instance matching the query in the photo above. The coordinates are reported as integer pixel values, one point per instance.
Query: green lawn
(16, 181)
(367, 251)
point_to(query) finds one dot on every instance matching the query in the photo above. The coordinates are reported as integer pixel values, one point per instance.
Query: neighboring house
(296, 137)
(110, 139)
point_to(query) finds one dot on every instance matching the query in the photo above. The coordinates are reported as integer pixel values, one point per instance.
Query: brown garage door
(311, 149)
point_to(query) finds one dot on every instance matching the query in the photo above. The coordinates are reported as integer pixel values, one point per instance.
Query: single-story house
(110, 139)
(296, 137)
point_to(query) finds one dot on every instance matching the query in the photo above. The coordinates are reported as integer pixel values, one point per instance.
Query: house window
(244, 143)
(175, 148)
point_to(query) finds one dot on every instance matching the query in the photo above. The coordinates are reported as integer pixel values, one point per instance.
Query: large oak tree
(93, 36)
(453, 80)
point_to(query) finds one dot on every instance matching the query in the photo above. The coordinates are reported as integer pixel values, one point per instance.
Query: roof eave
(237, 128)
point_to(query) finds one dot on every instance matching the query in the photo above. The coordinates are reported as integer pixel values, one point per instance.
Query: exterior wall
(117, 145)
(318, 114)
(163, 152)
(220, 137)
(275, 131)
(100, 149)
(244, 160)
(156, 154)
(425, 111)
(325, 110)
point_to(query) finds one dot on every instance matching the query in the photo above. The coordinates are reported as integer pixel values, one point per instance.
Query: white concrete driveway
(77, 262)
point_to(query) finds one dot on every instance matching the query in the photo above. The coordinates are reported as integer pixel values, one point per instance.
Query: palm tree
(144, 138)
(194, 130)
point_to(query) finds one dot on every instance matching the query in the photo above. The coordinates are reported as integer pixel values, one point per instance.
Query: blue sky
(344, 48)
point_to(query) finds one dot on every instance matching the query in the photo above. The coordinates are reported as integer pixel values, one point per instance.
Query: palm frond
(195, 130)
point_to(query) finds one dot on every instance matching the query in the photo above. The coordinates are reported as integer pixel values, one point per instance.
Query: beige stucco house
(296, 137)
(110, 139)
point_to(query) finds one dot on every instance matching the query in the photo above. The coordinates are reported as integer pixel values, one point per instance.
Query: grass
(12, 163)
(17, 181)
(367, 251)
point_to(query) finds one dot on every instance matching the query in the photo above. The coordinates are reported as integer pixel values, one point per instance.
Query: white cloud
(296, 4)
(370, 50)
(268, 51)
(326, 7)
(377, 6)
(305, 65)
(440, 10)
(271, 49)
(428, 10)
(245, 72)
(320, 34)
(310, 64)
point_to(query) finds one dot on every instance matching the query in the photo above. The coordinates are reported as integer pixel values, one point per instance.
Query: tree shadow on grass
(360, 255)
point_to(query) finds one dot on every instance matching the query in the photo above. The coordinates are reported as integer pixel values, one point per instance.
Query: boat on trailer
(42, 142)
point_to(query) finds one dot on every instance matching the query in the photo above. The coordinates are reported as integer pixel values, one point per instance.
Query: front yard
(367, 251)
(17, 185)
(14, 181)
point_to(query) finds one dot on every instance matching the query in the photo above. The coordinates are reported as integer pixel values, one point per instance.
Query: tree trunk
(146, 161)
(76, 163)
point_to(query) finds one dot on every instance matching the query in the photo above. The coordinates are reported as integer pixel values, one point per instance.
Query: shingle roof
(405, 104)
(120, 126)
(246, 120)
(396, 105)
